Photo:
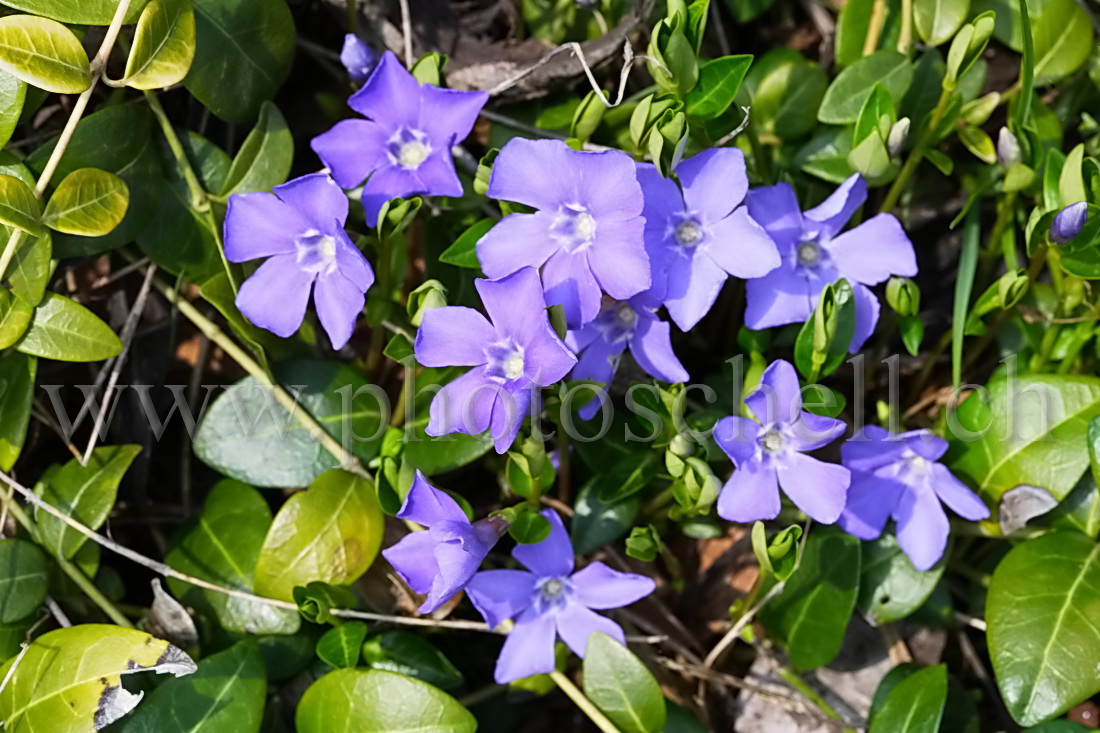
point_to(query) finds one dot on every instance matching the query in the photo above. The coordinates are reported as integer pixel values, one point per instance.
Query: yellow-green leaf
(13, 93)
(90, 202)
(164, 45)
(43, 53)
(15, 317)
(18, 206)
(64, 330)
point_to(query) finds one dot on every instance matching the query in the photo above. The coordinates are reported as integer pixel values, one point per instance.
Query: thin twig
(736, 131)
(735, 630)
(406, 33)
(57, 613)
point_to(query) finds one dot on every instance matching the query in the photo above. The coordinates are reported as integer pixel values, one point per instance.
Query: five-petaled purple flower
(770, 455)
(358, 58)
(815, 253)
(551, 601)
(1069, 222)
(621, 325)
(511, 356)
(587, 232)
(898, 476)
(404, 145)
(300, 227)
(697, 234)
(440, 560)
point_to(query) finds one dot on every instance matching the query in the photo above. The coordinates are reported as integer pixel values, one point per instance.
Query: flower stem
(581, 701)
(916, 155)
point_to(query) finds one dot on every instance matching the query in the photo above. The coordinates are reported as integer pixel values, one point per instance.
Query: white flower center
(688, 233)
(574, 227)
(808, 253)
(553, 593)
(505, 360)
(773, 441)
(584, 226)
(625, 315)
(553, 588)
(513, 366)
(408, 148)
(918, 465)
(316, 252)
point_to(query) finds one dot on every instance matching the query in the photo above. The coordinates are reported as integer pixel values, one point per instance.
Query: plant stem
(587, 707)
(874, 27)
(793, 679)
(98, 66)
(916, 155)
(905, 36)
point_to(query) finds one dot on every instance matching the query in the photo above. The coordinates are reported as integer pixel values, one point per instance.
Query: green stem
(353, 15)
(793, 679)
(917, 154)
(581, 701)
(759, 154)
(378, 332)
(565, 487)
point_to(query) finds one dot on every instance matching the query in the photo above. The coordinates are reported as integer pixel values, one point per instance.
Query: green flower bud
(903, 295)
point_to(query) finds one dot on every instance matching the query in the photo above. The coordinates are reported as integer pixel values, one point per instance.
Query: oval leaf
(164, 45)
(329, 533)
(717, 87)
(845, 96)
(1063, 40)
(64, 330)
(89, 203)
(364, 700)
(1043, 637)
(79, 12)
(938, 20)
(890, 588)
(43, 53)
(915, 705)
(23, 579)
(18, 206)
(13, 93)
(17, 373)
(621, 686)
(339, 646)
(264, 159)
(408, 654)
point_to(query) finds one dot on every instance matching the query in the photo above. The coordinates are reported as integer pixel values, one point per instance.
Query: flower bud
(1012, 286)
(682, 446)
(1069, 222)
(430, 295)
(1008, 149)
(903, 295)
(358, 58)
(899, 133)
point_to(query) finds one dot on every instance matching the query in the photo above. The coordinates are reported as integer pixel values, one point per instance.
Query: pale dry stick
(735, 630)
(736, 131)
(406, 33)
(11, 670)
(971, 621)
(127, 338)
(721, 678)
(58, 614)
(119, 274)
(97, 67)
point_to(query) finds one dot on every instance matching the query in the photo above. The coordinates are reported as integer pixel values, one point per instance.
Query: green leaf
(890, 588)
(15, 317)
(786, 97)
(17, 373)
(809, 617)
(846, 95)
(408, 654)
(1043, 636)
(243, 51)
(31, 268)
(316, 601)
(621, 686)
(463, 253)
(1063, 40)
(852, 25)
(18, 206)
(85, 493)
(64, 330)
(718, 83)
(876, 115)
(826, 155)
(264, 159)
(1071, 182)
(339, 646)
(596, 522)
(23, 579)
(13, 93)
(1033, 431)
(626, 476)
(43, 53)
(69, 681)
(979, 143)
(227, 692)
(79, 12)
(329, 533)
(119, 140)
(915, 705)
(222, 546)
(164, 45)
(89, 202)
(937, 21)
(964, 286)
(529, 528)
(247, 435)
(374, 700)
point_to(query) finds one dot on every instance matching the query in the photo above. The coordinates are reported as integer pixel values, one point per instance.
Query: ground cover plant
(597, 365)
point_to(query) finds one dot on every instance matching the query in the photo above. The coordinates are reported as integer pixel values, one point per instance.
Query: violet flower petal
(528, 649)
(742, 247)
(499, 253)
(922, 527)
(352, 150)
(358, 58)
(509, 409)
(957, 495)
(413, 557)
(870, 502)
(449, 114)
(551, 558)
(867, 312)
(501, 594)
(737, 437)
(830, 216)
(778, 398)
(776, 209)
(652, 349)
(619, 264)
(391, 94)
(598, 586)
(260, 225)
(694, 282)
(569, 282)
(819, 489)
(453, 335)
(533, 173)
(575, 624)
(464, 405)
(782, 296)
(276, 295)
(714, 182)
(318, 199)
(751, 494)
(873, 251)
(426, 505)
(339, 303)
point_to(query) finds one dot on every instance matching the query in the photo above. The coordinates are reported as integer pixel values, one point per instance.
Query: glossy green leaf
(80, 12)
(31, 268)
(719, 81)
(64, 330)
(979, 143)
(23, 579)
(596, 522)
(339, 647)
(877, 115)
(786, 97)
(463, 253)
(329, 533)
(222, 546)
(849, 90)
(408, 654)
(243, 50)
(890, 588)
(13, 93)
(85, 493)
(852, 24)
(349, 700)
(69, 681)
(18, 206)
(915, 705)
(316, 601)
(937, 21)
(826, 155)
(1043, 637)
(621, 686)
(811, 614)
(17, 373)
(264, 159)
(226, 692)
(1063, 40)
(164, 45)
(15, 317)
(1033, 431)
(247, 435)
(43, 53)
(89, 202)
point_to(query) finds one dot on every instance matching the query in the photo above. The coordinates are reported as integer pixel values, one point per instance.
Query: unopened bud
(358, 58)
(430, 295)
(1069, 222)
(903, 295)
(1011, 287)
(1008, 149)
(899, 133)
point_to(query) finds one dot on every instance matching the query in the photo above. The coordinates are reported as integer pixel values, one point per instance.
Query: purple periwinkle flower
(697, 234)
(770, 455)
(622, 325)
(512, 356)
(897, 475)
(358, 58)
(300, 228)
(1069, 222)
(587, 233)
(403, 148)
(549, 600)
(815, 253)
(440, 560)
